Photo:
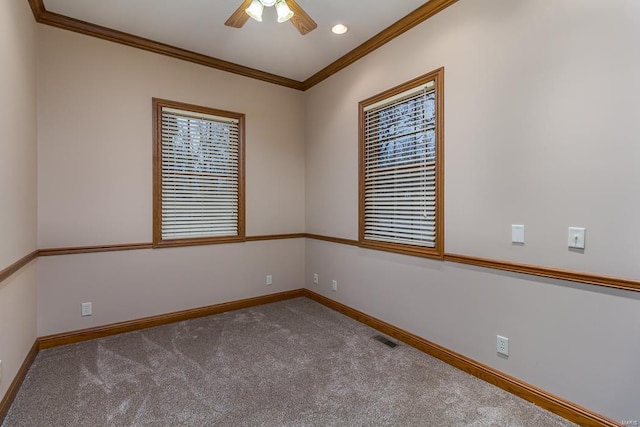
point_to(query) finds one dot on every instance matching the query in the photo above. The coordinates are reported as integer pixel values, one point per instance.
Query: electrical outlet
(334, 285)
(86, 309)
(315, 278)
(269, 280)
(503, 345)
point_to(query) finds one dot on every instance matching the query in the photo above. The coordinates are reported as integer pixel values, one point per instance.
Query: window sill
(419, 251)
(197, 242)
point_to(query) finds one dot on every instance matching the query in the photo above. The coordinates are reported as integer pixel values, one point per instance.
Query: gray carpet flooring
(291, 363)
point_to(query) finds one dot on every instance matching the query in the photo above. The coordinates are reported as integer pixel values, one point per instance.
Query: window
(198, 175)
(401, 168)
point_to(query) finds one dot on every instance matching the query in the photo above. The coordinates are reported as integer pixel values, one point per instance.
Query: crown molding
(43, 16)
(416, 17)
(421, 14)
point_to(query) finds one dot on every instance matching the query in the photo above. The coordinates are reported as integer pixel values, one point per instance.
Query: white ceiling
(198, 26)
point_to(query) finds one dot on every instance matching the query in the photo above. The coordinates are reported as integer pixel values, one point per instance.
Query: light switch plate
(576, 237)
(517, 234)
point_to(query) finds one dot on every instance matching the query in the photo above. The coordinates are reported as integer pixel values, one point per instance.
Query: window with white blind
(198, 175)
(401, 168)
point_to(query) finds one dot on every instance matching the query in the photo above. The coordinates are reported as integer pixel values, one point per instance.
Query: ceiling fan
(288, 10)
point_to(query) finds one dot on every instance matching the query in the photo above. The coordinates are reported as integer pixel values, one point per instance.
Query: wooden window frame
(158, 241)
(436, 252)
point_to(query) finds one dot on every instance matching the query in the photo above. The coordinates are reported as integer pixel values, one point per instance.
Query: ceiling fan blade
(303, 22)
(239, 17)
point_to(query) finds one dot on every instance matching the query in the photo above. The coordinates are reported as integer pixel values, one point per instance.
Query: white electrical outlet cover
(86, 309)
(502, 345)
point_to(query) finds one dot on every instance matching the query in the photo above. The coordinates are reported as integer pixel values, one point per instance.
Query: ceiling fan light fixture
(255, 10)
(284, 13)
(285, 10)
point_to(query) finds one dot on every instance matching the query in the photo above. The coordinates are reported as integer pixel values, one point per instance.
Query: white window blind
(200, 175)
(400, 168)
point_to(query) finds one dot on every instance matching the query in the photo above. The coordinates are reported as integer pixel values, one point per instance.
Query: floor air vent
(386, 341)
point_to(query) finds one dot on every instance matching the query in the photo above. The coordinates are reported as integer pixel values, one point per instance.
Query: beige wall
(540, 129)
(17, 184)
(18, 316)
(18, 124)
(95, 184)
(136, 284)
(94, 147)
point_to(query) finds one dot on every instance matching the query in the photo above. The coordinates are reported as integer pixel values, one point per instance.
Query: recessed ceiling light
(339, 29)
